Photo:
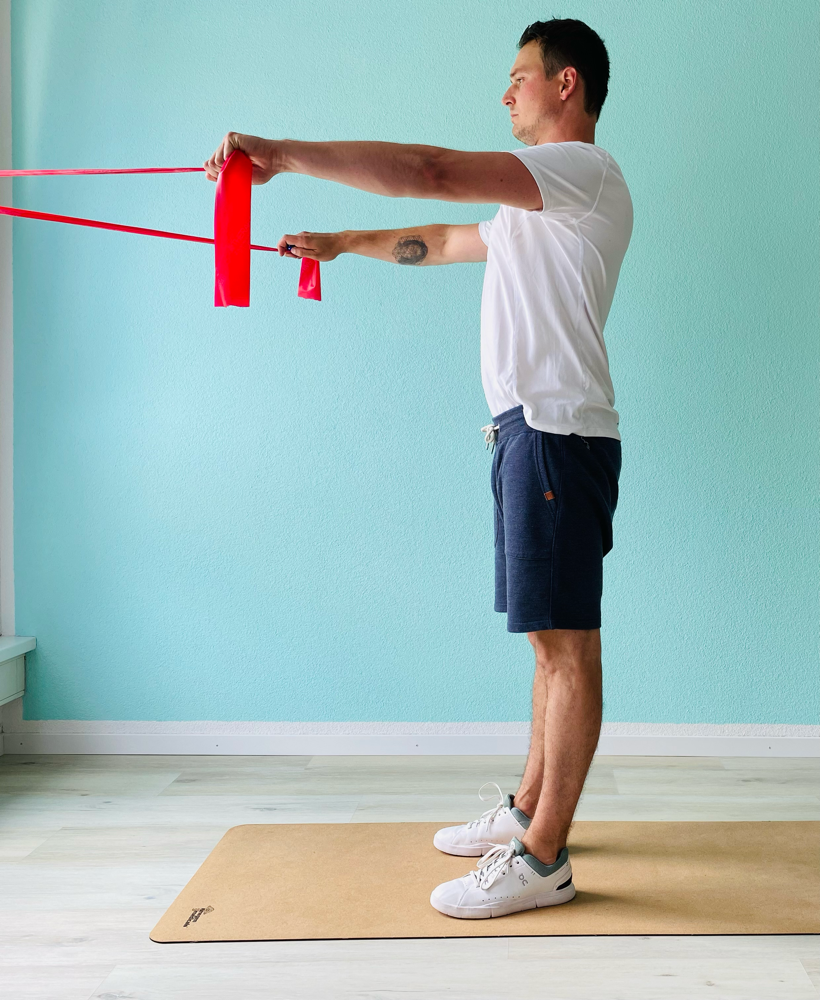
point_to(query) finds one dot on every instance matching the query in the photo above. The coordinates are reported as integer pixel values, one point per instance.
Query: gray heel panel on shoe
(521, 817)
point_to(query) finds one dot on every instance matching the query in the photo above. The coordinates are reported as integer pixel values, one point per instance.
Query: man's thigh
(555, 498)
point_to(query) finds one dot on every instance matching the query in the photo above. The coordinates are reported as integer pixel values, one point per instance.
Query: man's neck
(573, 134)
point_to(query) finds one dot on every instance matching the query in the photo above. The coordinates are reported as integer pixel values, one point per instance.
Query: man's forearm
(395, 169)
(421, 245)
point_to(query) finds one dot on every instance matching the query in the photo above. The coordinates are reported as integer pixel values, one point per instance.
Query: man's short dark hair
(569, 42)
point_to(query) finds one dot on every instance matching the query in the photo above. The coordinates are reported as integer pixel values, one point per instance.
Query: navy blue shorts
(555, 497)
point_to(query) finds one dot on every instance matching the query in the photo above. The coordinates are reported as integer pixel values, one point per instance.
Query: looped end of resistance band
(232, 238)
(232, 232)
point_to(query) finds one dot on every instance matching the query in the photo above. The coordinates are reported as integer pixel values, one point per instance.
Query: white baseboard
(64, 736)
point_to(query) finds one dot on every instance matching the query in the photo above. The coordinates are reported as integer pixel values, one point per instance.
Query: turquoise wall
(284, 513)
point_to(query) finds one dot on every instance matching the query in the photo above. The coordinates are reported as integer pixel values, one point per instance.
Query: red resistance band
(232, 227)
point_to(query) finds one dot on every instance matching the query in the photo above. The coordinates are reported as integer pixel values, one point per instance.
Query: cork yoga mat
(373, 880)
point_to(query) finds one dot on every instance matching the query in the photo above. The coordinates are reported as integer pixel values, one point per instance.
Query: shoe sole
(463, 850)
(535, 902)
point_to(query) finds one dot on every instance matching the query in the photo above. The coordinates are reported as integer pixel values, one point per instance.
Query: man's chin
(523, 135)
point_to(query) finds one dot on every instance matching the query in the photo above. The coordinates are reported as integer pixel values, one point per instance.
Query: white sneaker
(508, 880)
(496, 826)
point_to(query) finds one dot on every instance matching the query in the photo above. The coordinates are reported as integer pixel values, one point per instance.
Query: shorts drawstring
(491, 435)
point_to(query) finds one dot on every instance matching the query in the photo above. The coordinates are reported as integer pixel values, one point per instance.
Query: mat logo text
(196, 914)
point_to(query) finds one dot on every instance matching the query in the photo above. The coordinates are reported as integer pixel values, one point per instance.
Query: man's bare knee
(560, 650)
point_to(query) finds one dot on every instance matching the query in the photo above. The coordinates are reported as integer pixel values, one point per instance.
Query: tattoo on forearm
(410, 250)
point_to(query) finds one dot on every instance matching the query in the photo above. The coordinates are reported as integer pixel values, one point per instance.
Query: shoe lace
(488, 816)
(495, 863)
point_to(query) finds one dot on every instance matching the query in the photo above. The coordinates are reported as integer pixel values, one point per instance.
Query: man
(554, 251)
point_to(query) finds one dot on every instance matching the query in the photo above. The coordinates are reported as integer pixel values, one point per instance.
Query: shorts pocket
(530, 505)
(545, 476)
(496, 504)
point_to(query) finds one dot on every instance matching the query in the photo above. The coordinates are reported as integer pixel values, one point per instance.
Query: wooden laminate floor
(93, 849)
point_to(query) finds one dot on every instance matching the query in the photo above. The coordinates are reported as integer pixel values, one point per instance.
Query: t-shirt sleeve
(568, 177)
(484, 230)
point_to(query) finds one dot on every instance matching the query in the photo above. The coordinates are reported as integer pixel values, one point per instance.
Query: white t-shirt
(548, 285)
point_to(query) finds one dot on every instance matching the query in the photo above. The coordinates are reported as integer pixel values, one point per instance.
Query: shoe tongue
(508, 800)
(518, 847)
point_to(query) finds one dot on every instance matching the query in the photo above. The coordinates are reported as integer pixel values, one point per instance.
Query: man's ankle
(526, 803)
(545, 853)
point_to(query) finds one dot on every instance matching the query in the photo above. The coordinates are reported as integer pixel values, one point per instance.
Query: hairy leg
(529, 791)
(570, 660)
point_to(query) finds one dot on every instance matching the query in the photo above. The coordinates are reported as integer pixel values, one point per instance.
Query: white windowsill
(12, 646)
(13, 649)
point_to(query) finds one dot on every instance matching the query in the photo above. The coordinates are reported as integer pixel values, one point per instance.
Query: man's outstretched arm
(421, 245)
(393, 169)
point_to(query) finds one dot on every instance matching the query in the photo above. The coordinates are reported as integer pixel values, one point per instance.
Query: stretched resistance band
(232, 227)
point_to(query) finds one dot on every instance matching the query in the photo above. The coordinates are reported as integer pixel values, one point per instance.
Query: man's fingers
(211, 169)
(229, 144)
(285, 245)
(214, 165)
(294, 246)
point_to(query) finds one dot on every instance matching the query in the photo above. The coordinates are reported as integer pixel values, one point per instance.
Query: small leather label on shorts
(550, 495)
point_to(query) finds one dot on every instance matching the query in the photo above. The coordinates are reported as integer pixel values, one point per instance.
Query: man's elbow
(451, 177)
(438, 174)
